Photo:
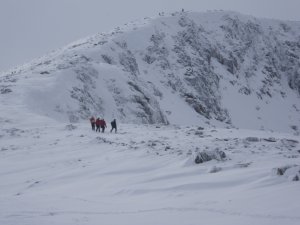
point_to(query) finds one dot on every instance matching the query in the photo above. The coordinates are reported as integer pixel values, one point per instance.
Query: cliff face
(221, 68)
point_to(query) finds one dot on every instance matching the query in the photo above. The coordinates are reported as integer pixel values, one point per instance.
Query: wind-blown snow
(53, 173)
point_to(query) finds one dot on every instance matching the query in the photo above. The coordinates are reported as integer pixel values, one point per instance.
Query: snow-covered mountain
(221, 68)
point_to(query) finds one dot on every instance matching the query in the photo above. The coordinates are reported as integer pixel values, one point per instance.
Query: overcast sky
(31, 28)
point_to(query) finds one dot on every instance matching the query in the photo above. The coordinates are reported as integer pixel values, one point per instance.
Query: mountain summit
(220, 68)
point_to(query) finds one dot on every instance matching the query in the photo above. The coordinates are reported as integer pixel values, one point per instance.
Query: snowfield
(53, 173)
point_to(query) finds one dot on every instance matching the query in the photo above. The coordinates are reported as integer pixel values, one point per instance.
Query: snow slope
(53, 173)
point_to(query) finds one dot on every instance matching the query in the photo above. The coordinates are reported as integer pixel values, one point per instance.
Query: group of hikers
(100, 123)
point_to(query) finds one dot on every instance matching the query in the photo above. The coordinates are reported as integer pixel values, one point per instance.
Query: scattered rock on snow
(252, 139)
(292, 172)
(281, 170)
(167, 148)
(270, 139)
(44, 72)
(5, 90)
(243, 165)
(214, 169)
(70, 127)
(205, 156)
(14, 132)
(103, 140)
(290, 142)
(199, 133)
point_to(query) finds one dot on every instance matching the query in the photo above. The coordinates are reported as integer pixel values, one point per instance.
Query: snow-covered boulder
(291, 172)
(205, 156)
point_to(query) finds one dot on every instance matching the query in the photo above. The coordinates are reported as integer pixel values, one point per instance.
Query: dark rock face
(145, 105)
(85, 93)
(194, 52)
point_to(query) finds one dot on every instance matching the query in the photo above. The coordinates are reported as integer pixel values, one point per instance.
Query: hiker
(103, 125)
(98, 123)
(113, 126)
(93, 122)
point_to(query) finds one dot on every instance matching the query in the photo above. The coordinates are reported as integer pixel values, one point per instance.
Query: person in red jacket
(98, 124)
(103, 125)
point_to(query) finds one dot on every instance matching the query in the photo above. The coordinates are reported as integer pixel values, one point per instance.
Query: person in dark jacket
(93, 122)
(103, 125)
(98, 124)
(113, 126)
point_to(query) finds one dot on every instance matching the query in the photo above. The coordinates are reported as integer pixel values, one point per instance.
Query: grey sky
(31, 28)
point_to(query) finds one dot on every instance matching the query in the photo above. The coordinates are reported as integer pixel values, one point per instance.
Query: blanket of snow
(53, 173)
